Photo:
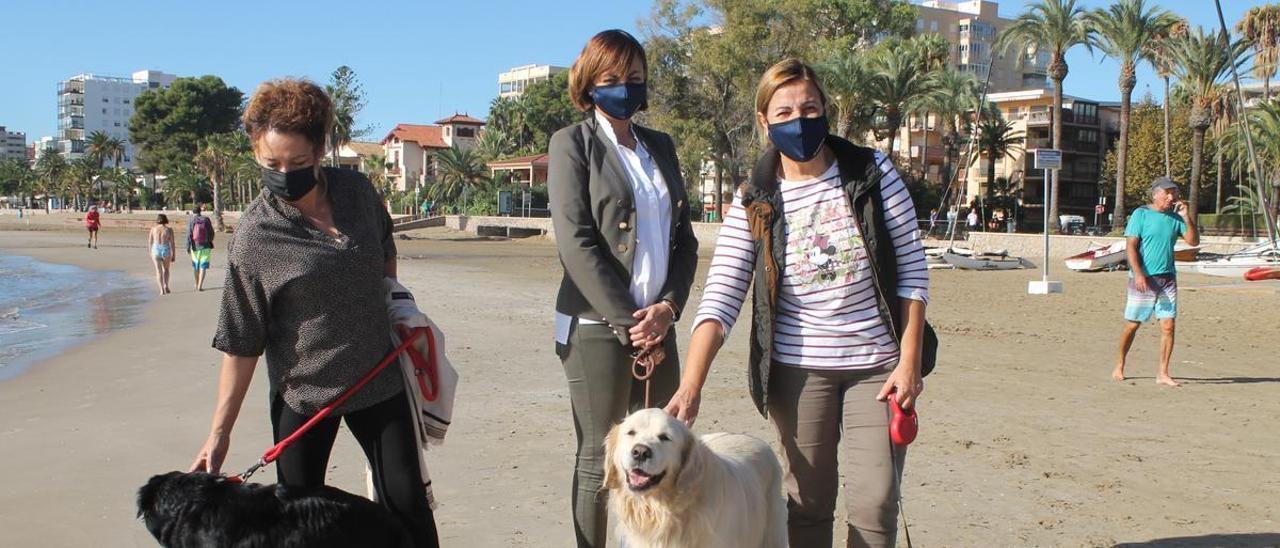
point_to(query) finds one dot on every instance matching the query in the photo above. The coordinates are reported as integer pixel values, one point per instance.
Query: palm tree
(1224, 116)
(16, 178)
(1261, 27)
(958, 95)
(1162, 59)
(375, 166)
(51, 169)
(101, 147)
(459, 170)
(185, 180)
(80, 175)
(1202, 60)
(998, 139)
(897, 84)
(1055, 26)
(845, 76)
(215, 158)
(1125, 30)
(492, 144)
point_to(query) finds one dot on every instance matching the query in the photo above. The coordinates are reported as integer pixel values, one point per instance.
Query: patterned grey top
(314, 304)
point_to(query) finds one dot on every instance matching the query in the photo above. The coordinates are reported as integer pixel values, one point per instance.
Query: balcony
(72, 87)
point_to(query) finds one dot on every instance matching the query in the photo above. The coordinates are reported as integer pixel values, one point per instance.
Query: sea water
(46, 308)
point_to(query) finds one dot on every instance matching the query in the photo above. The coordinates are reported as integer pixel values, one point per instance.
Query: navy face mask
(799, 138)
(620, 101)
(290, 185)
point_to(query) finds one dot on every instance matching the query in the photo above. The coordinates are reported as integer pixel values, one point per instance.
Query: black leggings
(385, 432)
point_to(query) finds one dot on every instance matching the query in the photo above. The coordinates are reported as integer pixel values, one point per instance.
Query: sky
(419, 61)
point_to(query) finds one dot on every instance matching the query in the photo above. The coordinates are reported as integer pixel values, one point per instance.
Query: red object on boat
(1262, 273)
(904, 424)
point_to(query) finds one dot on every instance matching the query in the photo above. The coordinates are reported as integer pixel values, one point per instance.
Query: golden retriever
(670, 489)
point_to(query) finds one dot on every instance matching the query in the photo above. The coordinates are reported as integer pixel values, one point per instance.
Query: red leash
(421, 367)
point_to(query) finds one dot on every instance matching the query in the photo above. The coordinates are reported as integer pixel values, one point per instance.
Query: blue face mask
(799, 138)
(620, 101)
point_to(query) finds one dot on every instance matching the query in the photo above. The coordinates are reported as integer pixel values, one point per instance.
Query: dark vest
(762, 200)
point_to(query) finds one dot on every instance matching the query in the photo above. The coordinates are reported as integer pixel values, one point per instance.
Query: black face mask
(620, 101)
(290, 185)
(799, 138)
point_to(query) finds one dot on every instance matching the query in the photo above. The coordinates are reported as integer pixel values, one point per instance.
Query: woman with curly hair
(305, 287)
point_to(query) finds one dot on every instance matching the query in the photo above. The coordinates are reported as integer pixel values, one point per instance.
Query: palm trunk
(895, 121)
(1197, 149)
(1217, 199)
(991, 172)
(1057, 144)
(1167, 172)
(1127, 81)
(217, 203)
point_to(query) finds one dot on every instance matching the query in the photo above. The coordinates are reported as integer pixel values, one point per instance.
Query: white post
(1050, 161)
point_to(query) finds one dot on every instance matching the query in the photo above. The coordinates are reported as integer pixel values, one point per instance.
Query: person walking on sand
(199, 245)
(160, 246)
(1153, 285)
(92, 221)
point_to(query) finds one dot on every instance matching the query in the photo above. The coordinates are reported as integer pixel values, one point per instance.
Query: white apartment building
(13, 145)
(512, 83)
(89, 103)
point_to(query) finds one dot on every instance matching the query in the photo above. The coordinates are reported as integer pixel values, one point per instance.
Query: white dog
(670, 489)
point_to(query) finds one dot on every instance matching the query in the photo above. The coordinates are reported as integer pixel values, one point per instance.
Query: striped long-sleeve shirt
(826, 313)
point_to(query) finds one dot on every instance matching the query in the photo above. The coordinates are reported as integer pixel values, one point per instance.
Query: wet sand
(1025, 440)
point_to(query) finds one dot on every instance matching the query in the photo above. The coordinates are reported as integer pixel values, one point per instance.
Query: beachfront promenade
(1025, 441)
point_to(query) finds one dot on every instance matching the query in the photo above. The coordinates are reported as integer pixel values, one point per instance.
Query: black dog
(198, 510)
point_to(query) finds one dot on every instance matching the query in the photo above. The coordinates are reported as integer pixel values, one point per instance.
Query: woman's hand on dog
(906, 382)
(212, 454)
(684, 405)
(655, 321)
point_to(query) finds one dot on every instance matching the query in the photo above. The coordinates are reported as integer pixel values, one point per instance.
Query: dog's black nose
(641, 452)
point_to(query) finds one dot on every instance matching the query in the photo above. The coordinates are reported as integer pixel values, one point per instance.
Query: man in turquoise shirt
(1153, 284)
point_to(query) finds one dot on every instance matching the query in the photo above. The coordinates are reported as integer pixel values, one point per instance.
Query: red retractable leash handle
(407, 336)
(904, 424)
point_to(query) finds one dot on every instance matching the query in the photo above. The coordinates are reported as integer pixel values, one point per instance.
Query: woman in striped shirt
(827, 231)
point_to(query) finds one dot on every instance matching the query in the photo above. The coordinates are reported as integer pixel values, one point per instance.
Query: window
(933, 26)
(105, 100)
(126, 101)
(117, 124)
(104, 110)
(919, 24)
(466, 132)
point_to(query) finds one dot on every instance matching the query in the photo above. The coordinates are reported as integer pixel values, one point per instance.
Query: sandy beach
(1025, 440)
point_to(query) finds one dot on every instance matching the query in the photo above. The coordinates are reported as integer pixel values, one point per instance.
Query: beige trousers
(813, 410)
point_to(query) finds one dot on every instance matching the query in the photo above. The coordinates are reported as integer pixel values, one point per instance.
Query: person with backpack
(199, 245)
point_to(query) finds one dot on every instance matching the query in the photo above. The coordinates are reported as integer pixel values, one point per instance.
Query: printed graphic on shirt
(828, 248)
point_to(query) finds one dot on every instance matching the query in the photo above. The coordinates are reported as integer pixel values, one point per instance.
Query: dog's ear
(611, 480)
(693, 461)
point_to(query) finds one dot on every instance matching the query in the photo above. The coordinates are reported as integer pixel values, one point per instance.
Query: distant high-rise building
(89, 103)
(971, 27)
(512, 83)
(13, 145)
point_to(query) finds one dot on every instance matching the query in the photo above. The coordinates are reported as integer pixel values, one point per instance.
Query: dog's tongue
(638, 478)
